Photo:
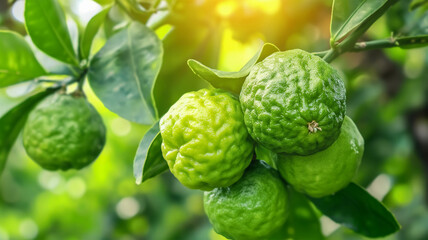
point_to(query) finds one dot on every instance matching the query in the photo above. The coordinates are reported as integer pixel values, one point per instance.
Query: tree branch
(403, 42)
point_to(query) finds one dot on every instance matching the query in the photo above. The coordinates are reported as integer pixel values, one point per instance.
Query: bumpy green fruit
(64, 132)
(327, 171)
(205, 141)
(252, 208)
(293, 102)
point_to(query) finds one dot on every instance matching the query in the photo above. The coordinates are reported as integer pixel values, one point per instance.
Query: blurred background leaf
(16, 56)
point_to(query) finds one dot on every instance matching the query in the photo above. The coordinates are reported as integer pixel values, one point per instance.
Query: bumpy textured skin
(64, 132)
(205, 141)
(252, 208)
(285, 92)
(327, 171)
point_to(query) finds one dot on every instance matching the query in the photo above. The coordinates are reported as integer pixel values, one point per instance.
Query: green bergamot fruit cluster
(64, 132)
(292, 103)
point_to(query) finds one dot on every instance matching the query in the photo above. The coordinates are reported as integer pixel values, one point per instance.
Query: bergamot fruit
(64, 132)
(252, 208)
(293, 102)
(327, 171)
(205, 141)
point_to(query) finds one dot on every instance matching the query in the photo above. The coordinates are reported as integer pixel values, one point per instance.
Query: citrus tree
(285, 108)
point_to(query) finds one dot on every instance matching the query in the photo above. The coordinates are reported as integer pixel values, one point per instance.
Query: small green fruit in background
(252, 208)
(64, 132)
(205, 141)
(327, 171)
(294, 103)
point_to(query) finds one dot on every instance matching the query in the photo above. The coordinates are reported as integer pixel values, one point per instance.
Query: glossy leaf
(46, 25)
(230, 81)
(356, 209)
(123, 73)
(90, 32)
(302, 222)
(349, 14)
(13, 121)
(17, 61)
(148, 161)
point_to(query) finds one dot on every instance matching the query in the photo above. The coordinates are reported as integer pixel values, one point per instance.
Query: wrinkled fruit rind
(287, 91)
(205, 141)
(64, 132)
(252, 208)
(327, 171)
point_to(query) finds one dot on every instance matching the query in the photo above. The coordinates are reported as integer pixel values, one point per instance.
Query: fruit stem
(403, 42)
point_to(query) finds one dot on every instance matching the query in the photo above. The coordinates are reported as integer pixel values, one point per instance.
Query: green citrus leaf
(356, 209)
(148, 161)
(17, 61)
(12, 122)
(90, 32)
(45, 22)
(303, 222)
(266, 155)
(123, 73)
(230, 81)
(348, 15)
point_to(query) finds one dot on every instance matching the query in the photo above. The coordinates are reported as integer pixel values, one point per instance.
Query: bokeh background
(387, 97)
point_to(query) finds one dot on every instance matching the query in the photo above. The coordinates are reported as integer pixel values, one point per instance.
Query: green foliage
(17, 61)
(13, 121)
(46, 25)
(230, 81)
(356, 209)
(418, 3)
(348, 15)
(90, 31)
(122, 74)
(353, 29)
(148, 161)
(266, 155)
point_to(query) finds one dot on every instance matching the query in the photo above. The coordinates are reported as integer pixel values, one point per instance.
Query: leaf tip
(139, 180)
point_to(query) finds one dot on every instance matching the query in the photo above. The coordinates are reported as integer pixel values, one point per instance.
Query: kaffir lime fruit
(327, 171)
(205, 141)
(64, 132)
(252, 208)
(293, 102)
